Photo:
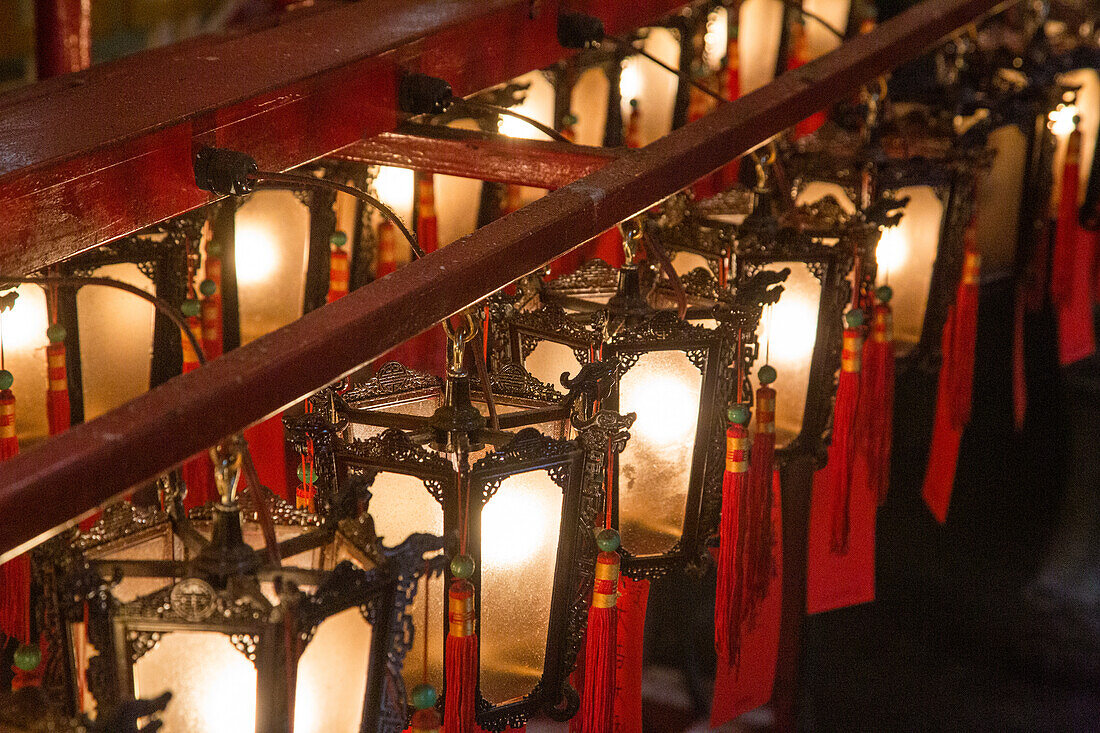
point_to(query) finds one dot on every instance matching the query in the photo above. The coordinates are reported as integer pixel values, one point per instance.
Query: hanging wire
(497, 109)
(683, 75)
(314, 182)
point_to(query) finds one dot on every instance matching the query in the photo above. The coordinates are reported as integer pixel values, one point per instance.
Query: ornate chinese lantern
(205, 608)
(518, 510)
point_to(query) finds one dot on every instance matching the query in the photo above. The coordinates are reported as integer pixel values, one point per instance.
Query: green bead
(6, 379)
(739, 413)
(462, 566)
(854, 318)
(55, 333)
(608, 540)
(306, 474)
(208, 288)
(423, 696)
(214, 248)
(191, 308)
(338, 239)
(884, 294)
(633, 104)
(569, 120)
(27, 657)
(767, 374)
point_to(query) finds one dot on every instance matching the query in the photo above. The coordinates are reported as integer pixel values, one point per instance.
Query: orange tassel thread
(842, 451)
(597, 700)
(729, 591)
(460, 667)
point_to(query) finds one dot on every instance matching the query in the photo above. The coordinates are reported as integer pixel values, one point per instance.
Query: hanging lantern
(518, 510)
(801, 332)
(197, 606)
(672, 373)
(924, 171)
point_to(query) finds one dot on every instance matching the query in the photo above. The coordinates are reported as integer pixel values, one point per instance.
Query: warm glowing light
(395, 188)
(716, 39)
(213, 685)
(513, 528)
(256, 253)
(671, 409)
(24, 326)
(790, 330)
(891, 252)
(515, 127)
(630, 80)
(1063, 119)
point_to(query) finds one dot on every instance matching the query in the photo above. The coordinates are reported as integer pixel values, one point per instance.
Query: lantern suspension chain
(683, 75)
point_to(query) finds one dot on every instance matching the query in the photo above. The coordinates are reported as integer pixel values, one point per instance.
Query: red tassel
(212, 310)
(15, 574)
(842, 452)
(1019, 374)
(387, 250)
(339, 276)
(729, 591)
(460, 667)
(953, 396)
(599, 648)
(427, 225)
(629, 635)
(1071, 282)
(877, 398)
(756, 553)
(748, 684)
(198, 472)
(800, 55)
(57, 390)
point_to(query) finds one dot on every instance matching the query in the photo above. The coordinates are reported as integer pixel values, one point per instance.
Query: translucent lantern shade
(760, 24)
(156, 543)
(520, 525)
(549, 359)
(652, 86)
(116, 340)
(332, 676)
(538, 104)
(213, 685)
(589, 103)
(999, 195)
(24, 337)
(819, 40)
(905, 255)
(271, 243)
(400, 506)
(664, 389)
(457, 199)
(787, 335)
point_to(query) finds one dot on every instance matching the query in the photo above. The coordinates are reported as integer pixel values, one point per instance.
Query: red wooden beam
(481, 155)
(73, 473)
(89, 157)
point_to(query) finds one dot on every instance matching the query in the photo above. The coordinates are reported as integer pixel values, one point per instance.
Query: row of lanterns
(454, 554)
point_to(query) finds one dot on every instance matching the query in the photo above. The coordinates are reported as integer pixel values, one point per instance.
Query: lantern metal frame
(918, 149)
(762, 241)
(626, 327)
(349, 466)
(197, 598)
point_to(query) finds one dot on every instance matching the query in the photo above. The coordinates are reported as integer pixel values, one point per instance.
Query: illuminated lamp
(244, 640)
(801, 332)
(675, 376)
(928, 173)
(422, 455)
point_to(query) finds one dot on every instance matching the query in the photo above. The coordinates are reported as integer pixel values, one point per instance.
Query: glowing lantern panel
(663, 388)
(519, 546)
(787, 336)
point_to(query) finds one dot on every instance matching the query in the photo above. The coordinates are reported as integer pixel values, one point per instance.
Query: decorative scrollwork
(246, 644)
(528, 450)
(118, 520)
(512, 380)
(141, 643)
(390, 379)
(594, 277)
